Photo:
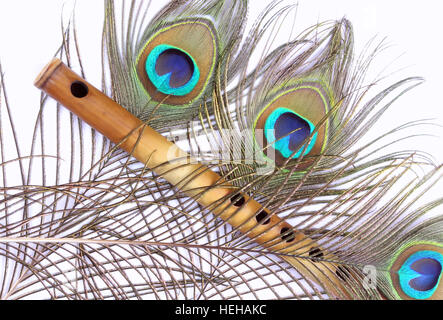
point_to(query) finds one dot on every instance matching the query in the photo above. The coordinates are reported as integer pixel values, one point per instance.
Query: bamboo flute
(195, 180)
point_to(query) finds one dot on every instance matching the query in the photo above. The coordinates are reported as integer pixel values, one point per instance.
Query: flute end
(47, 72)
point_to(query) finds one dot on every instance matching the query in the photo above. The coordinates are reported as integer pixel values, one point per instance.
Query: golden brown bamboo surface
(168, 161)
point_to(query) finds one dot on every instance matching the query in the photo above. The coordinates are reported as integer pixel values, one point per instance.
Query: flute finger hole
(343, 272)
(238, 200)
(315, 254)
(262, 218)
(79, 89)
(287, 236)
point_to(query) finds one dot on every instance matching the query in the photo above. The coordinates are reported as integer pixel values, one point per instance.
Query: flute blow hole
(79, 89)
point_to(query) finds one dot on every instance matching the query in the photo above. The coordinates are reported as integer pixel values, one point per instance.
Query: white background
(30, 32)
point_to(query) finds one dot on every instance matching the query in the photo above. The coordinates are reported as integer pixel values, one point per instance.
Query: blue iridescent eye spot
(420, 274)
(287, 130)
(172, 70)
(178, 64)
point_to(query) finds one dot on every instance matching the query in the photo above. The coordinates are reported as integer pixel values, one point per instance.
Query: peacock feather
(289, 125)
(172, 61)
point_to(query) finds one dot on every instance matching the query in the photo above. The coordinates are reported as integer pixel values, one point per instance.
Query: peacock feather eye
(289, 130)
(419, 272)
(172, 71)
(178, 61)
(291, 125)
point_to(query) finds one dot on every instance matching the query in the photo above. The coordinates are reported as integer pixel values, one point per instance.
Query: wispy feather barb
(287, 130)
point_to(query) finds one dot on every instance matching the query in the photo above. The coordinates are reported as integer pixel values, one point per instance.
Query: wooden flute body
(168, 161)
